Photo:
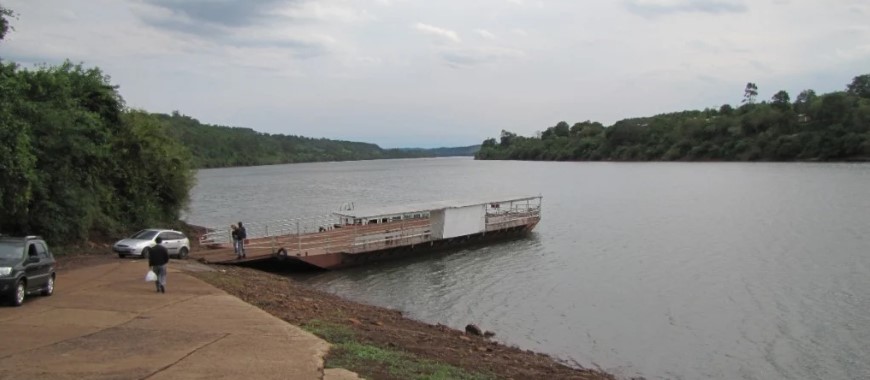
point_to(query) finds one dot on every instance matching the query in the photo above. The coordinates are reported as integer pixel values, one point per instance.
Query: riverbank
(375, 342)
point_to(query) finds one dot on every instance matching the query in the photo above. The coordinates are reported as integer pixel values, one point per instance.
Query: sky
(425, 73)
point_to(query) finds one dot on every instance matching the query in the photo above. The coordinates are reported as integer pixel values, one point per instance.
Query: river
(659, 270)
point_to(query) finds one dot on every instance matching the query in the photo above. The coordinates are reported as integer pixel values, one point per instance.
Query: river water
(660, 270)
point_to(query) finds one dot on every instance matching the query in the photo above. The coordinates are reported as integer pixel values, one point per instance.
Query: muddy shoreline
(303, 306)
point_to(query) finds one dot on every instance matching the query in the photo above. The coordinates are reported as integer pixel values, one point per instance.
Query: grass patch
(369, 361)
(332, 332)
(375, 362)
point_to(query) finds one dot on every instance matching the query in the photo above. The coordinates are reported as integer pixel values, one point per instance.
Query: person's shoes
(243, 256)
(162, 289)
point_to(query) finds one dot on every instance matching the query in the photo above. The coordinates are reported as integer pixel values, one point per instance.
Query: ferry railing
(514, 214)
(318, 235)
(260, 230)
(402, 236)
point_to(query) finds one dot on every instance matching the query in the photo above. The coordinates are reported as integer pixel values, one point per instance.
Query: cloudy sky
(429, 73)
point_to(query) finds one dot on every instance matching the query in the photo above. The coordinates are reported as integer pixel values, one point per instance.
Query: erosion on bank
(380, 343)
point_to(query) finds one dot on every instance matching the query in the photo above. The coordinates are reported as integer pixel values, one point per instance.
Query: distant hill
(470, 150)
(827, 127)
(213, 146)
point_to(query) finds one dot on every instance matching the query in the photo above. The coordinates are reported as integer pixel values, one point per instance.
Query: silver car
(140, 243)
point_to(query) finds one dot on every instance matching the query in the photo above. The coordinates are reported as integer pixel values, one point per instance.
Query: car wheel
(182, 253)
(121, 255)
(18, 295)
(145, 252)
(49, 287)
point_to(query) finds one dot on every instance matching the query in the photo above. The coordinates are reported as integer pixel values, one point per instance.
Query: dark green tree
(803, 101)
(860, 86)
(750, 93)
(17, 159)
(781, 100)
(5, 15)
(79, 163)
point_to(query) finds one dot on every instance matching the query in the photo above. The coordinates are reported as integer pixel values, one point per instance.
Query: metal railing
(321, 234)
(318, 235)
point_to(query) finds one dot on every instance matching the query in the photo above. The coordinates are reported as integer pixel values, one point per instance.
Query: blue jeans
(160, 271)
(240, 247)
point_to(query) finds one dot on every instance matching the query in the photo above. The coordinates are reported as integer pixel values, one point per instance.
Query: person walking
(242, 234)
(157, 260)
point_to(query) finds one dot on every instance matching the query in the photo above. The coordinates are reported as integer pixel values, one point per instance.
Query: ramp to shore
(107, 322)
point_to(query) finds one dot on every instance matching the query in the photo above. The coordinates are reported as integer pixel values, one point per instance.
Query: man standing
(157, 260)
(242, 236)
(235, 235)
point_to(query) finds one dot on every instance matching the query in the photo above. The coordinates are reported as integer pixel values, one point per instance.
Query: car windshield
(11, 249)
(144, 235)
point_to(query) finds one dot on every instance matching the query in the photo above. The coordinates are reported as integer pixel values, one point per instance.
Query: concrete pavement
(106, 322)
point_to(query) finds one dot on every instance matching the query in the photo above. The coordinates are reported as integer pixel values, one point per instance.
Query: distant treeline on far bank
(213, 146)
(828, 127)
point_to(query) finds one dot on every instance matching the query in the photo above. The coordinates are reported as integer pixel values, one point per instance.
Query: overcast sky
(428, 73)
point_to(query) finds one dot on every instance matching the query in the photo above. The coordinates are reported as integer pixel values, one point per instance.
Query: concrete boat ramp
(106, 322)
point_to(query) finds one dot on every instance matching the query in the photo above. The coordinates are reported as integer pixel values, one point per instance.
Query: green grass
(362, 358)
(333, 333)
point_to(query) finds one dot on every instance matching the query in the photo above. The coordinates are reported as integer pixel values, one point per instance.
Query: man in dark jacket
(243, 234)
(157, 260)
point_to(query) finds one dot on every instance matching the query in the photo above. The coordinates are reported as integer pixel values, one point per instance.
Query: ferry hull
(342, 259)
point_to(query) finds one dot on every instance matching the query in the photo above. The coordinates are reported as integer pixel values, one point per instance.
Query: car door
(180, 241)
(169, 242)
(33, 268)
(46, 261)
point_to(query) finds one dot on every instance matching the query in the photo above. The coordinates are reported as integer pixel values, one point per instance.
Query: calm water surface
(660, 270)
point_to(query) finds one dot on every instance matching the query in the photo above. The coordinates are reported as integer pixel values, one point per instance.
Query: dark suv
(26, 267)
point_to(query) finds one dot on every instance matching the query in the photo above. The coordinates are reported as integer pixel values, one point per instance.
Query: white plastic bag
(151, 276)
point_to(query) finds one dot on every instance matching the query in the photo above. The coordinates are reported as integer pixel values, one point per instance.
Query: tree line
(828, 127)
(75, 161)
(213, 146)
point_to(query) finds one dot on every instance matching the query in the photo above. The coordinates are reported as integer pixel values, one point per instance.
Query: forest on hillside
(828, 127)
(76, 162)
(213, 146)
(470, 150)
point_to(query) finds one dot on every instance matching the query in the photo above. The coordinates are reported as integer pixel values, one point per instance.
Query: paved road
(106, 322)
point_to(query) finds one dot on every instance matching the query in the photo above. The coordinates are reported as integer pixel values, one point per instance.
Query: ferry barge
(356, 236)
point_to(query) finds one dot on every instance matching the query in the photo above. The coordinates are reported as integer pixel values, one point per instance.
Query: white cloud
(324, 12)
(476, 56)
(436, 31)
(651, 8)
(485, 34)
(520, 32)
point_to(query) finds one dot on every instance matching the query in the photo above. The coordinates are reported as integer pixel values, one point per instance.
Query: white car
(140, 243)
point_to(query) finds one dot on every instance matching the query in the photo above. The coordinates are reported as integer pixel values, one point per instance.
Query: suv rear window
(11, 249)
